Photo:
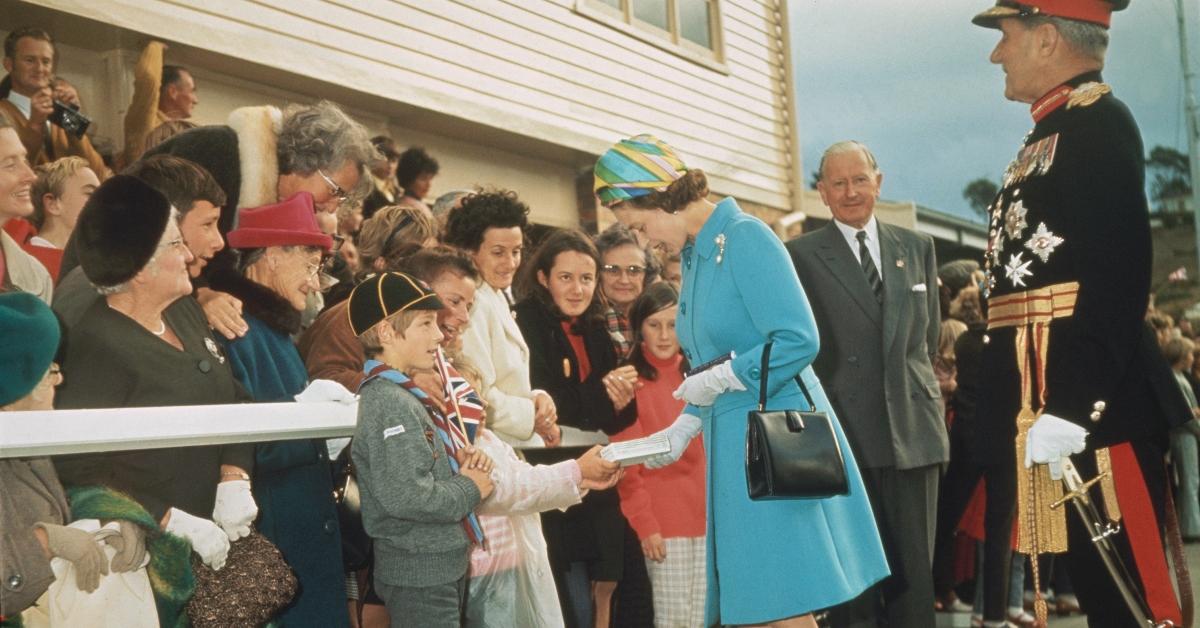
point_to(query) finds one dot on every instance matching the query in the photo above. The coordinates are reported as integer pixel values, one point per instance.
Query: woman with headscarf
(141, 345)
(281, 250)
(772, 561)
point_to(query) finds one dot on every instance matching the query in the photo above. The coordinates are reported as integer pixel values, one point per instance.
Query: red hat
(290, 223)
(1093, 11)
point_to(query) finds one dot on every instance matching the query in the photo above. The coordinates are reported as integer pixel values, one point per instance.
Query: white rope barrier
(61, 432)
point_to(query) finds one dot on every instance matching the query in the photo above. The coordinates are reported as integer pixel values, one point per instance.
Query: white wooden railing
(60, 432)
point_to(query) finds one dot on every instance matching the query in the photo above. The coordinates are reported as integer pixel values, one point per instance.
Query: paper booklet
(636, 451)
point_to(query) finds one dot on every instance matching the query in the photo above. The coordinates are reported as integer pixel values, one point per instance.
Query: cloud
(912, 80)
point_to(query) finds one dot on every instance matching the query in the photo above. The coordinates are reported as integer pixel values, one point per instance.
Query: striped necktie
(868, 266)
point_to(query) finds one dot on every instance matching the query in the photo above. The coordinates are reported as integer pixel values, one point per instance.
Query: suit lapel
(835, 253)
(893, 257)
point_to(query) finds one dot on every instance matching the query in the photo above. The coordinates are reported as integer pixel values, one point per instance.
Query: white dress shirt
(851, 235)
(24, 105)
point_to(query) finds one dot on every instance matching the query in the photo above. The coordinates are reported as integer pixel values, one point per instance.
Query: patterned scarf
(636, 167)
(448, 432)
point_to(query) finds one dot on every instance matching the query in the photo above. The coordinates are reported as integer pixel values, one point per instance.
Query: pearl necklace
(162, 328)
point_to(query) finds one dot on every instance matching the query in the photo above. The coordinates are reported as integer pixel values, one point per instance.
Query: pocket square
(919, 288)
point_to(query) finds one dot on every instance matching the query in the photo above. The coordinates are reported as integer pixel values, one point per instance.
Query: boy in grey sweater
(415, 507)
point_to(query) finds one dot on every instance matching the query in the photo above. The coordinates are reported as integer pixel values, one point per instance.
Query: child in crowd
(419, 486)
(665, 506)
(510, 581)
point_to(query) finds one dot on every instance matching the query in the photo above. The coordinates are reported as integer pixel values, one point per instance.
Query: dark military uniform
(113, 362)
(1070, 253)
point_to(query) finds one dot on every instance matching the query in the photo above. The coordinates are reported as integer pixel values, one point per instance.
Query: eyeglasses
(336, 190)
(177, 243)
(54, 375)
(614, 270)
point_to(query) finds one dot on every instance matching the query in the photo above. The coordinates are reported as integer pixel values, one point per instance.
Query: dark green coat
(113, 362)
(292, 483)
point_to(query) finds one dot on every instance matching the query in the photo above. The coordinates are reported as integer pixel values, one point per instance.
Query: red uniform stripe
(1141, 526)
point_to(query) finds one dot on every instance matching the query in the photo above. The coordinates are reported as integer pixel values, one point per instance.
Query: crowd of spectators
(259, 261)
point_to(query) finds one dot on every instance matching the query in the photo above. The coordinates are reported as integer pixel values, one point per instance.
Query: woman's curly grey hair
(322, 137)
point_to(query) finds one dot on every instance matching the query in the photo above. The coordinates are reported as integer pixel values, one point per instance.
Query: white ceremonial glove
(326, 390)
(1050, 439)
(679, 434)
(206, 538)
(235, 509)
(702, 389)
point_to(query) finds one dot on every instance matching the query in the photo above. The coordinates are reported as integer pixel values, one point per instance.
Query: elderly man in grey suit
(873, 289)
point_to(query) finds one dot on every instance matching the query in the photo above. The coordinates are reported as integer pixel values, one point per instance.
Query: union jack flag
(464, 406)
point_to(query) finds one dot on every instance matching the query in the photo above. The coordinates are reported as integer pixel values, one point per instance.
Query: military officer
(1068, 278)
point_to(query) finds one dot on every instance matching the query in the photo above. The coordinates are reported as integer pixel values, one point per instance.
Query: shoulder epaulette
(1086, 94)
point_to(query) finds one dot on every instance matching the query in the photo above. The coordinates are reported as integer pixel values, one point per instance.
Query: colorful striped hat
(636, 167)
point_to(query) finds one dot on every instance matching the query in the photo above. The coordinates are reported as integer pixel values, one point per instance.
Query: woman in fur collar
(281, 253)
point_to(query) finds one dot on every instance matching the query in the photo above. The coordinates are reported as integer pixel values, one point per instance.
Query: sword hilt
(1078, 490)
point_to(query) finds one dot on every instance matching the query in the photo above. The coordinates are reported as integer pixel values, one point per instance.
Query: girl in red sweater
(665, 506)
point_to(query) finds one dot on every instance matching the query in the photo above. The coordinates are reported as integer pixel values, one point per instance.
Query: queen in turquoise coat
(768, 561)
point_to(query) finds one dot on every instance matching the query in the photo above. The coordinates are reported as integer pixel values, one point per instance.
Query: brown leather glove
(82, 550)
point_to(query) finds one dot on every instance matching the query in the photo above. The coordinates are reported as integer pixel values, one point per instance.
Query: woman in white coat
(490, 228)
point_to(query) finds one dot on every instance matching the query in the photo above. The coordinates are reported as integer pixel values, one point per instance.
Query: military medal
(1017, 270)
(1014, 220)
(214, 350)
(1043, 242)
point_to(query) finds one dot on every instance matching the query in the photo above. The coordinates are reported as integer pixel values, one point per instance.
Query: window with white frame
(692, 27)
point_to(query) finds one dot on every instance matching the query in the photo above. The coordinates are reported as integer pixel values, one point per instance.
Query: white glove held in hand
(235, 509)
(702, 389)
(1049, 440)
(326, 390)
(680, 433)
(207, 540)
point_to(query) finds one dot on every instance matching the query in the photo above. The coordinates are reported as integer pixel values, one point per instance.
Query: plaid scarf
(448, 432)
(620, 332)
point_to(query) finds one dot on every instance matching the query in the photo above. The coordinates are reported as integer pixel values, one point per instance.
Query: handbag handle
(762, 382)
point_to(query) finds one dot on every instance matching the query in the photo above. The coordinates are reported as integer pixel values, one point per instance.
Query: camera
(69, 119)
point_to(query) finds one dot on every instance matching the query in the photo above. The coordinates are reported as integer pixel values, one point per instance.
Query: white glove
(235, 509)
(679, 434)
(326, 390)
(206, 538)
(702, 389)
(1050, 439)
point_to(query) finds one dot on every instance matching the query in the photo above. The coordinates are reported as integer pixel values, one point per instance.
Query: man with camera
(49, 129)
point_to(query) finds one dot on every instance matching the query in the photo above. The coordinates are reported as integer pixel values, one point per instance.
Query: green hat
(381, 295)
(31, 334)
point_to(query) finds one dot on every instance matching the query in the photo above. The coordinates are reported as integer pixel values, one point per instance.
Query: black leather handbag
(792, 454)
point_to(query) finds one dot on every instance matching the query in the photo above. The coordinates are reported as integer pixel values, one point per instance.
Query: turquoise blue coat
(767, 560)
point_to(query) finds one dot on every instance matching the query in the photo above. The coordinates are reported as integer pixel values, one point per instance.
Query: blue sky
(911, 79)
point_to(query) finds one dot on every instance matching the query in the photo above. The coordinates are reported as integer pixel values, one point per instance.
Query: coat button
(15, 581)
(755, 373)
(852, 359)
(329, 526)
(204, 366)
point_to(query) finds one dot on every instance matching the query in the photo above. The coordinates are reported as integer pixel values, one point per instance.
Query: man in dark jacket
(1068, 276)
